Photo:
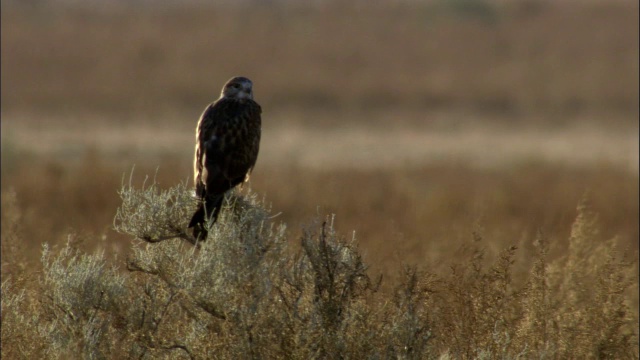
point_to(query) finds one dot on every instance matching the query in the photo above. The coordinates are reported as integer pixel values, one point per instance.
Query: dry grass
(246, 293)
(412, 213)
(503, 57)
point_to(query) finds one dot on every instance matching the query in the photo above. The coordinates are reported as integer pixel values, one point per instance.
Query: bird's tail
(209, 209)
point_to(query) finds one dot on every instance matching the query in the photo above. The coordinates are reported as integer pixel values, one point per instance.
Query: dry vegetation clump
(246, 293)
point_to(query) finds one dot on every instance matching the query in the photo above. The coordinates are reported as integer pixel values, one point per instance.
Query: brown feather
(227, 145)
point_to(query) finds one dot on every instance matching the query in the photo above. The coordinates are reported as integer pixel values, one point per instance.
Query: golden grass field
(417, 125)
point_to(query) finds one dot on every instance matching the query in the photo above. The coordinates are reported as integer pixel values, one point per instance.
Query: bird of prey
(227, 144)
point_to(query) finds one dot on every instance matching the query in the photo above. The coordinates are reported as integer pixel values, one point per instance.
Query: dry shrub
(244, 292)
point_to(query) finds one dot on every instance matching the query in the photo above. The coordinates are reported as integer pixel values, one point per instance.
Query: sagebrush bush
(246, 292)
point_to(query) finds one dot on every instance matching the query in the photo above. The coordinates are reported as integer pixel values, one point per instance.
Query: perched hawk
(227, 142)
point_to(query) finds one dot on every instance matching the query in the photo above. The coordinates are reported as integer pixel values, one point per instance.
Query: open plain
(420, 126)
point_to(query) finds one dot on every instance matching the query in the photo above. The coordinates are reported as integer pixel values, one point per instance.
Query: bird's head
(239, 88)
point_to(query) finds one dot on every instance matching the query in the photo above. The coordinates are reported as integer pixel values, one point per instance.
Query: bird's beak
(245, 94)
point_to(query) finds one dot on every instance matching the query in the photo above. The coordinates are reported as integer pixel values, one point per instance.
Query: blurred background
(416, 123)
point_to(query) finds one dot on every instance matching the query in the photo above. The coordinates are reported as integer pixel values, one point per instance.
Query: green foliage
(245, 292)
